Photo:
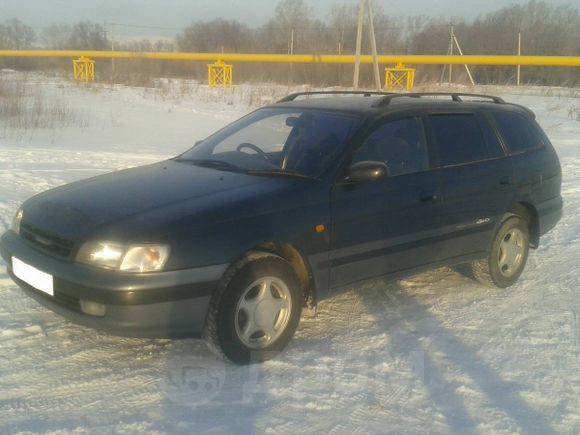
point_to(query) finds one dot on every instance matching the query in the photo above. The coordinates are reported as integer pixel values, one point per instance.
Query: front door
(391, 224)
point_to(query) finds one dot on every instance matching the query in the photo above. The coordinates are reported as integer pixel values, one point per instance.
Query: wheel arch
(527, 211)
(298, 262)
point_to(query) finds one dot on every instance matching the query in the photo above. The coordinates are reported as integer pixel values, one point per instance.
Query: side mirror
(367, 171)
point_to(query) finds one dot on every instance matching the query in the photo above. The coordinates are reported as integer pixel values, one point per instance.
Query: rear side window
(459, 139)
(518, 131)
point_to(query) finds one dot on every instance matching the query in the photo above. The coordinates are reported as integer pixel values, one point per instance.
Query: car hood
(80, 209)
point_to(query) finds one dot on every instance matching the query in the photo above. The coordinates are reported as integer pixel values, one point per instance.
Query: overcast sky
(176, 14)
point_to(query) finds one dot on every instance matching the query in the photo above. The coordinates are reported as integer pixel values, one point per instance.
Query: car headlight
(146, 258)
(127, 258)
(16, 221)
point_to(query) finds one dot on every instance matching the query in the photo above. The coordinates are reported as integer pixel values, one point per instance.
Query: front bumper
(161, 304)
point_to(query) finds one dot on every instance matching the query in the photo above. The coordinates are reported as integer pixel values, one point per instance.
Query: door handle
(506, 181)
(428, 196)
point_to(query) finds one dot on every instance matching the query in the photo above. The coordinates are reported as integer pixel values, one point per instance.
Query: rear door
(476, 179)
(384, 226)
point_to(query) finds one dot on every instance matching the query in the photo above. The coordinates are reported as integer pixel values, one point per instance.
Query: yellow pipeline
(306, 58)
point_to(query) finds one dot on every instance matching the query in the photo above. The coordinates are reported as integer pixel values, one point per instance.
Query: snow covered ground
(435, 353)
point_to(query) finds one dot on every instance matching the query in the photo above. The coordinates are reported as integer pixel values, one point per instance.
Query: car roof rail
(295, 95)
(455, 96)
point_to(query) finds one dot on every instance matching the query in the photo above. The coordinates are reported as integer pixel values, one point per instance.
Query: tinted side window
(459, 138)
(518, 131)
(494, 148)
(400, 144)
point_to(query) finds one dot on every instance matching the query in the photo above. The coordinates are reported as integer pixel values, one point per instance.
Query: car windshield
(276, 142)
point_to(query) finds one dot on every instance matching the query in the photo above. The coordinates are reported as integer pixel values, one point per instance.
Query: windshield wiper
(213, 164)
(226, 166)
(278, 173)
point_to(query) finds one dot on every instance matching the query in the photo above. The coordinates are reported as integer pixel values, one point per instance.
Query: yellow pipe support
(573, 61)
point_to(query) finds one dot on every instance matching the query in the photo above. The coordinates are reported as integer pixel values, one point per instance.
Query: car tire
(255, 311)
(507, 256)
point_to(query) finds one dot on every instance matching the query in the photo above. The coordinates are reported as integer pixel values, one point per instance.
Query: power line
(142, 26)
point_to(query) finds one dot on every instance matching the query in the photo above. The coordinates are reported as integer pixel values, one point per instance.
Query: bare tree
(56, 36)
(88, 36)
(215, 36)
(343, 22)
(15, 35)
(292, 20)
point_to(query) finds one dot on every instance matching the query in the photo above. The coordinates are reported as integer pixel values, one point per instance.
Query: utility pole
(465, 65)
(107, 33)
(454, 42)
(451, 36)
(359, 30)
(366, 6)
(519, 54)
(291, 51)
(112, 59)
(449, 53)
(373, 39)
(341, 38)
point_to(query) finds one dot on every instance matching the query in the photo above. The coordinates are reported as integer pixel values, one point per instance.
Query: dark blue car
(286, 205)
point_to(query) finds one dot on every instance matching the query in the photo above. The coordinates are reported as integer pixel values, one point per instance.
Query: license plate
(32, 276)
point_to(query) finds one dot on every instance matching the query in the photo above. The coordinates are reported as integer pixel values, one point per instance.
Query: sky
(169, 16)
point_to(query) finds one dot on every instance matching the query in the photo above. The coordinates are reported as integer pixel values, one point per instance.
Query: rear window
(518, 131)
(458, 138)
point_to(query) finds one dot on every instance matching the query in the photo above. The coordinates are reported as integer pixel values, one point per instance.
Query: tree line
(545, 29)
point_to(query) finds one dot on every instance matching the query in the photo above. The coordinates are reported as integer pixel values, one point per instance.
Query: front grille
(47, 242)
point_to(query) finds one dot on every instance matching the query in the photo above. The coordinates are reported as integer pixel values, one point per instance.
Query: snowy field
(436, 353)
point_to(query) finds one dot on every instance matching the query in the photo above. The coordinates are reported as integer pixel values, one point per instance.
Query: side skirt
(449, 262)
